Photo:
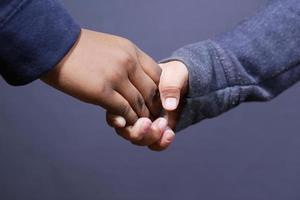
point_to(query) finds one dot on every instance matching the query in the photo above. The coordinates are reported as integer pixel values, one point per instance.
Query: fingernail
(171, 136)
(162, 124)
(120, 121)
(171, 103)
(146, 126)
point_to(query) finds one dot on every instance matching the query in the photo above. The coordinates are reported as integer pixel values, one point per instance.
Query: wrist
(54, 76)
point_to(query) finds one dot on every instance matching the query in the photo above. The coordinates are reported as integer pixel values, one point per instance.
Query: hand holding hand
(159, 134)
(111, 72)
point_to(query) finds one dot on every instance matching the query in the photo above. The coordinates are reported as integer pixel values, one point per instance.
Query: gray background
(55, 147)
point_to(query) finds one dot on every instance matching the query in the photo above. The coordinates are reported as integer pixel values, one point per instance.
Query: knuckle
(127, 61)
(127, 57)
(117, 77)
(125, 110)
(140, 103)
(101, 92)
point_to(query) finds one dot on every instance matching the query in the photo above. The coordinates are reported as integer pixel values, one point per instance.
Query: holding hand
(111, 72)
(159, 135)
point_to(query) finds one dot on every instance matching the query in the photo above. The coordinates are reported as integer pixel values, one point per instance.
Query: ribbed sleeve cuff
(206, 77)
(34, 40)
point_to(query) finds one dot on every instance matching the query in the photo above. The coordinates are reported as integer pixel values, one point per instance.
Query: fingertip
(119, 122)
(115, 121)
(146, 124)
(140, 128)
(161, 124)
(169, 137)
(165, 142)
(170, 103)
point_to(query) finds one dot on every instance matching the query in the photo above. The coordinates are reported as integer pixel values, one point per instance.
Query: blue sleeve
(34, 36)
(256, 61)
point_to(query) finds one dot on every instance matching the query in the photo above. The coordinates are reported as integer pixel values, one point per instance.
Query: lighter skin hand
(159, 135)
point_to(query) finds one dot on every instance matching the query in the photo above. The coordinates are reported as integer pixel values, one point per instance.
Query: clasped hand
(142, 98)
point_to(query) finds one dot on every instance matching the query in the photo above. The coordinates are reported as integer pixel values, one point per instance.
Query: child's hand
(112, 72)
(159, 135)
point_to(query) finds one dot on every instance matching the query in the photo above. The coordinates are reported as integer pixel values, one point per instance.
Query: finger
(134, 98)
(166, 140)
(136, 132)
(118, 105)
(173, 116)
(150, 67)
(152, 70)
(148, 89)
(115, 121)
(172, 82)
(154, 134)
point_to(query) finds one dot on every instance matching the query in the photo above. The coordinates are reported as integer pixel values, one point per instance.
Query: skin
(159, 135)
(107, 70)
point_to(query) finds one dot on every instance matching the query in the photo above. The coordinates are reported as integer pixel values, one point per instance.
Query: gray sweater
(256, 61)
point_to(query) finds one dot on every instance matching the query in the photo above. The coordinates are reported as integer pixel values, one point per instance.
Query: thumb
(173, 84)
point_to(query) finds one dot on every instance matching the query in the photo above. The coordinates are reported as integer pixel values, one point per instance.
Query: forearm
(34, 37)
(254, 62)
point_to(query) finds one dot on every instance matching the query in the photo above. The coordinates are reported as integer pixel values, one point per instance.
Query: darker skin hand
(107, 70)
(159, 135)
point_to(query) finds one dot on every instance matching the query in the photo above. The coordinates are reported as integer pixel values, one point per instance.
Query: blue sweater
(256, 61)
(34, 36)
